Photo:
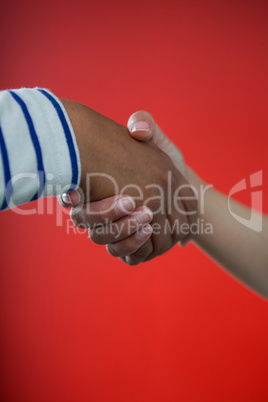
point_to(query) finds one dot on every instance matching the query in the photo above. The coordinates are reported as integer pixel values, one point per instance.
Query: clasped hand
(133, 195)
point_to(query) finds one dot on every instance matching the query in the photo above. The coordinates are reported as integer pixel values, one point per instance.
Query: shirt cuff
(39, 153)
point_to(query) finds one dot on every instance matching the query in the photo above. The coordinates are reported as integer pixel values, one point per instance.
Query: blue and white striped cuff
(38, 150)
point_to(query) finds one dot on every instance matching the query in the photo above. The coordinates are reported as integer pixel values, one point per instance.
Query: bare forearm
(242, 251)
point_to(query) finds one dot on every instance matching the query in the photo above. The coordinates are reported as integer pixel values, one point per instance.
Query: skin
(240, 250)
(106, 148)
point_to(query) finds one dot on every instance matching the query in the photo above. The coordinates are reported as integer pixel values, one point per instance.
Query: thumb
(142, 127)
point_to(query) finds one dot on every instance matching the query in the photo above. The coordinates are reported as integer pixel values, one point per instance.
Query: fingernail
(66, 198)
(144, 216)
(145, 231)
(140, 126)
(124, 205)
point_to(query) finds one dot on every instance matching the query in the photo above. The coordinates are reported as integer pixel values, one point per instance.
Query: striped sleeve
(38, 151)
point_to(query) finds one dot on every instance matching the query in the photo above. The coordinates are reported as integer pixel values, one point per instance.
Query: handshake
(134, 195)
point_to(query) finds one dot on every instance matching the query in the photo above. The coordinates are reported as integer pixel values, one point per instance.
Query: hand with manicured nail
(246, 260)
(133, 245)
(139, 168)
(142, 127)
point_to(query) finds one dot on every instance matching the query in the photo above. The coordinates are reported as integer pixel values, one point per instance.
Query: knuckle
(127, 249)
(133, 260)
(145, 250)
(93, 236)
(100, 234)
(132, 249)
(122, 248)
(112, 251)
(77, 217)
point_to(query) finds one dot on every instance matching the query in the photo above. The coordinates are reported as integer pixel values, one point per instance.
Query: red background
(78, 325)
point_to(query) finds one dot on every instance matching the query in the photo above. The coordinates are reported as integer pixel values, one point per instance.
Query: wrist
(197, 186)
(80, 120)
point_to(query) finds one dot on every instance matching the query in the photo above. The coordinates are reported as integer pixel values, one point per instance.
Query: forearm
(242, 251)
